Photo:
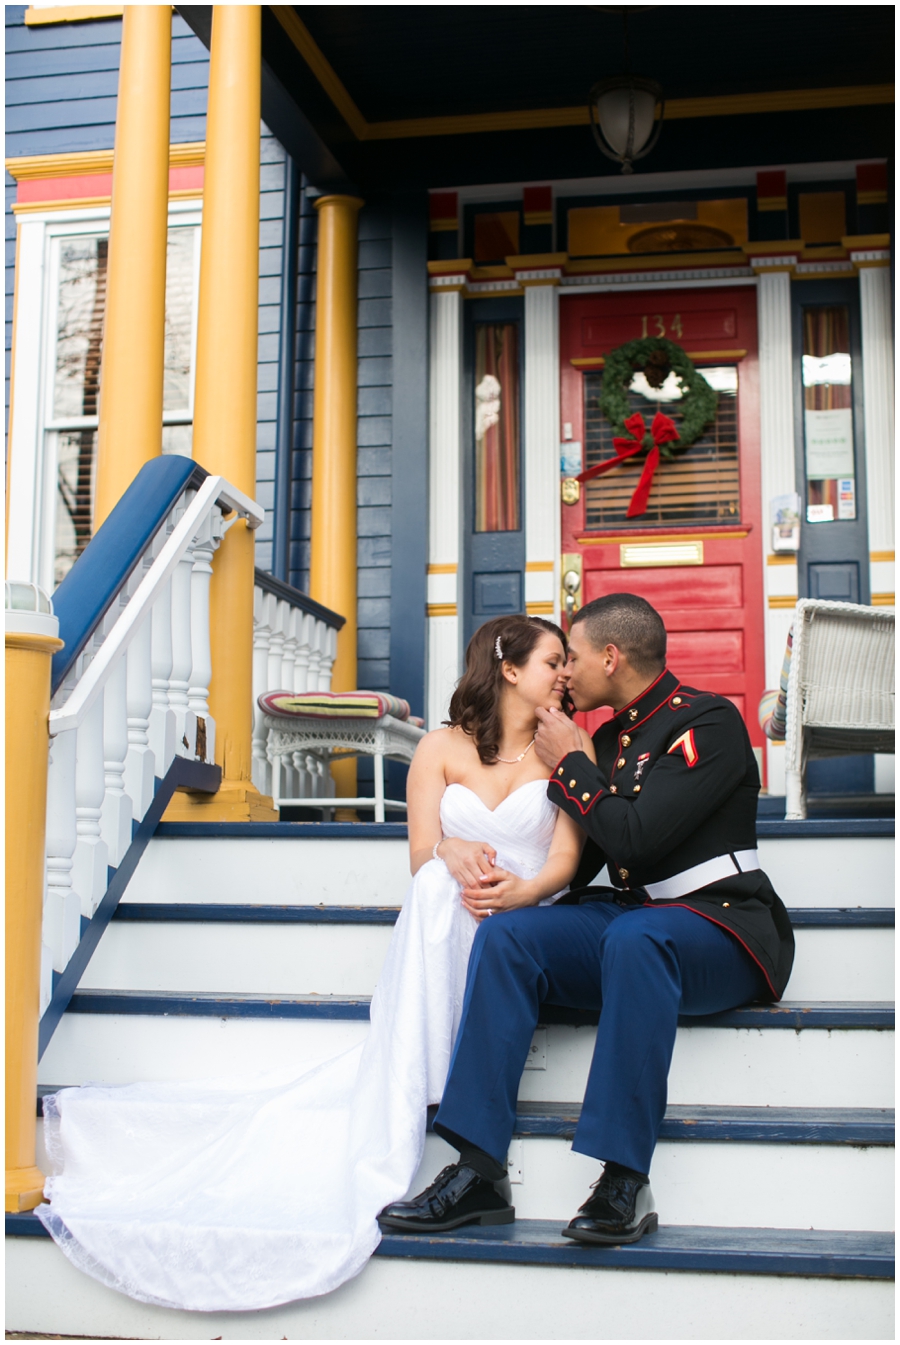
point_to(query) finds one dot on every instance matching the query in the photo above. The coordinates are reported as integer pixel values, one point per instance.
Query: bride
(240, 1195)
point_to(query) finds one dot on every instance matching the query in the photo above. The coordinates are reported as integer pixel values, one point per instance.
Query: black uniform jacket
(676, 784)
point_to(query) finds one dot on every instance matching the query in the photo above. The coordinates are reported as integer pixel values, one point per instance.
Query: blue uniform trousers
(640, 966)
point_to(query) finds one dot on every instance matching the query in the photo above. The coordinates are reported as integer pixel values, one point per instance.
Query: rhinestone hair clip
(498, 648)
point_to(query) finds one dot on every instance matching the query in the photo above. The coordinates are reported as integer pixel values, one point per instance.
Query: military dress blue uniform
(690, 925)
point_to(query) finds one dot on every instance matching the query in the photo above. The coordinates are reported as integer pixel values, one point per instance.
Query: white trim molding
(444, 492)
(541, 447)
(776, 407)
(878, 404)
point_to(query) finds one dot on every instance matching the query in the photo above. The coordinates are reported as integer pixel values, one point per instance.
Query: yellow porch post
(31, 642)
(332, 571)
(131, 386)
(225, 394)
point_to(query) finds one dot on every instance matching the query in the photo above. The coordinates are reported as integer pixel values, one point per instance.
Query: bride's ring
(490, 912)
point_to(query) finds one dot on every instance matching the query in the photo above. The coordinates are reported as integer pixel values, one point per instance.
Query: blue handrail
(84, 596)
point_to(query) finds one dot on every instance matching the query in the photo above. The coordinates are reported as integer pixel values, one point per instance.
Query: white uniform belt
(701, 875)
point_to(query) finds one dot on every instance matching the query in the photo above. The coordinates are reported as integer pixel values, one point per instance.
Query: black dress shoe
(457, 1196)
(620, 1210)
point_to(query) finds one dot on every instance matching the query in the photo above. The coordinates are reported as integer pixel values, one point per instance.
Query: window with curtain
(80, 269)
(828, 415)
(497, 438)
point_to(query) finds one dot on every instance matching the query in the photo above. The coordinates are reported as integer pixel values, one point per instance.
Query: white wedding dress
(238, 1195)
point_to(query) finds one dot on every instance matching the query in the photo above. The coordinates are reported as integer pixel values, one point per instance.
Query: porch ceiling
(428, 96)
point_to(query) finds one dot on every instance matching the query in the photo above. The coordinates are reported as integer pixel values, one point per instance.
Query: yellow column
(131, 385)
(332, 571)
(28, 656)
(225, 394)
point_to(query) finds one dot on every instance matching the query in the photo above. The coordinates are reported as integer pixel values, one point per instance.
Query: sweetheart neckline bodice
(456, 784)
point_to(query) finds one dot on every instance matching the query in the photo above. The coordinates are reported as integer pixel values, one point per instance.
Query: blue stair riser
(861, 917)
(860, 1127)
(736, 1251)
(766, 828)
(785, 1015)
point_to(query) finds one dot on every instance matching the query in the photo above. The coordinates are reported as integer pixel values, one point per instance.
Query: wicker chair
(840, 696)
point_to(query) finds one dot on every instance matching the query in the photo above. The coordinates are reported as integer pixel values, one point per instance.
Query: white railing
(135, 698)
(294, 646)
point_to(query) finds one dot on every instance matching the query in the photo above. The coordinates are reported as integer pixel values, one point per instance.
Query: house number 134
(658, 326)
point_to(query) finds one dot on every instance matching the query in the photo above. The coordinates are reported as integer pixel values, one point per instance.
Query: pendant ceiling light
(623, 110)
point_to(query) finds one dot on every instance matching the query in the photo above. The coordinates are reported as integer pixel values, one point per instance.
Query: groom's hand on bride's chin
(556, 736)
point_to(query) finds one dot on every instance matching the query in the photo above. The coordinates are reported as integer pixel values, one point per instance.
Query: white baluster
(46, 974)
(162, 719)
(205, 545)
(89, 872)
(140, 766)
(180, 676)
(289, 651)
(305, 624)
(62, 904)
(315, 658)
(291, 776)
(115, 818)
(328, 643)
(263, 617)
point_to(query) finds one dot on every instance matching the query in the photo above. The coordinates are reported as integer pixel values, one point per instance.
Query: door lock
(571, 585)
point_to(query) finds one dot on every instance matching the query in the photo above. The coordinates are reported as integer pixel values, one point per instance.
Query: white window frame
(31, 532)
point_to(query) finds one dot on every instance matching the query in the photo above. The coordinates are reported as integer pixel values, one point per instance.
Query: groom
(690, 925)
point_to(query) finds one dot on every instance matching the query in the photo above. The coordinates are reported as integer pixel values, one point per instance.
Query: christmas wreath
(656, 358)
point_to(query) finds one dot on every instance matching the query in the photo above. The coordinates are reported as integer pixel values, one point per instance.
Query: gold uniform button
(676, 700)
(726, 904)
(560, 771)
(632, 714)
(620, 763)
(623, 874)
(571, 784)
(585, 797)
(637, 789)
(626, 741)
(614, 789)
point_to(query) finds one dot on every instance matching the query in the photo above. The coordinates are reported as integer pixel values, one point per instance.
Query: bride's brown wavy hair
(475, 704)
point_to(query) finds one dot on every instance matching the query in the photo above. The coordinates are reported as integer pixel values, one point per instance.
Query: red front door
(696, 554)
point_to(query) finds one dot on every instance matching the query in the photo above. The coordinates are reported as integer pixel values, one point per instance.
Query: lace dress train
(230, 1195)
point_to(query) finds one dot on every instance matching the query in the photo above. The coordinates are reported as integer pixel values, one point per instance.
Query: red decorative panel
(706, 651)
(690, 586)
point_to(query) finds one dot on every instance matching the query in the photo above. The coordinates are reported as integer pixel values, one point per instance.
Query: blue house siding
(61, 84)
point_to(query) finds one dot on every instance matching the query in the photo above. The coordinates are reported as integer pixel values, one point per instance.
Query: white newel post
(878, 401)
(62, 904)
(89, 876)
(205, 547)
(264, 605)
(139, 762)
(115, 818)
(180, 676)
(541, 456)
(444, 480)
(776, 405)
(162, 718)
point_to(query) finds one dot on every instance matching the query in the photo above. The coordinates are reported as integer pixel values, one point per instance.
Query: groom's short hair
(631, 624)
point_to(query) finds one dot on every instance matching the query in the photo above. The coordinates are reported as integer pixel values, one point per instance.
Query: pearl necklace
(513, 761)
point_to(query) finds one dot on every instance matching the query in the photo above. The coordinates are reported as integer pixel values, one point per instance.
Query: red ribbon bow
(663, 431)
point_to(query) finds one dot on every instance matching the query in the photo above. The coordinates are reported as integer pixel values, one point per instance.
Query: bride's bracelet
(434, 853)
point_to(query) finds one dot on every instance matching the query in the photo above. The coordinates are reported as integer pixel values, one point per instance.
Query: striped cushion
(333, 705)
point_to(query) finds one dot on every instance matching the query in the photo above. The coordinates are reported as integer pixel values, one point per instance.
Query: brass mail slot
(660, 553)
